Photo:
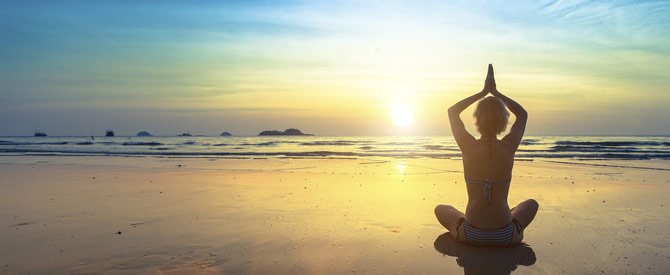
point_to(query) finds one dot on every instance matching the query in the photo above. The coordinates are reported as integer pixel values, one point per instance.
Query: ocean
(531, 148)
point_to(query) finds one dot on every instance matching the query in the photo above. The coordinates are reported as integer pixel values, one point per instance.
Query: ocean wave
(6, 142)
(141, 144)
(439, 147)
(329, 143)
(371, 153)
(603, 156)
(570, 148)
(390, 151)
(398, 143)
(529, 141)
(612, 143)
(294, 154)
(269, 143)
(591, 148)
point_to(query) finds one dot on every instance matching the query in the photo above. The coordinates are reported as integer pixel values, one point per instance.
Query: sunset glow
(329, 67)
(401, 114)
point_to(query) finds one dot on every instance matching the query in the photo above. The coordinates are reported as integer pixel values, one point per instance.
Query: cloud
(319, 57)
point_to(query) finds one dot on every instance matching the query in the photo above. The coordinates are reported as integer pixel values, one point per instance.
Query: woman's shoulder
(508, 145)
(497, 148)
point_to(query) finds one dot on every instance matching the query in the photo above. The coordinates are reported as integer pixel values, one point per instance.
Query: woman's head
(491, 116)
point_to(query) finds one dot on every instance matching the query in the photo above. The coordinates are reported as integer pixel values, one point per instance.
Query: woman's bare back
(488, 160)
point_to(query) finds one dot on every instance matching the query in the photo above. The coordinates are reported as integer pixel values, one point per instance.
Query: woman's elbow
(452, 111)
(521, 114)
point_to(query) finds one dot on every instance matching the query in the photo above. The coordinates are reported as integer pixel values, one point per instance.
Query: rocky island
(143, 134)
(225, 134)
(287, 132)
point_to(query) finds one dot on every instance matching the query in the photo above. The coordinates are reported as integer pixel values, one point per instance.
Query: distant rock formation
(187, 134)
(225, 134)
(271, 133)
(287, 132)
(144, 134)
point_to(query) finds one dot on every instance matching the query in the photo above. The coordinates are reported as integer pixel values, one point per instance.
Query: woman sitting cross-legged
(487, 165)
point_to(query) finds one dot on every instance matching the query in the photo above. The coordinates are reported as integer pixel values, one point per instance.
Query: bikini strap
(488, 191)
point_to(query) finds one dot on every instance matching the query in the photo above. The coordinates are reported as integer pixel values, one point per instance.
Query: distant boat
(185, 135)
(40, 134)
(109, 133)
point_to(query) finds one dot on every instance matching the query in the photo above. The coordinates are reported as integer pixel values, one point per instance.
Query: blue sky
(329, 67)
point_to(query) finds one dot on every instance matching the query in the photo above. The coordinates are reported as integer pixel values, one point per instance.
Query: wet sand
(122, 215)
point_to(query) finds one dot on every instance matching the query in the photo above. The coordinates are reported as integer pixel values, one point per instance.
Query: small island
(225, 134)
(144, 134)
(287, 132)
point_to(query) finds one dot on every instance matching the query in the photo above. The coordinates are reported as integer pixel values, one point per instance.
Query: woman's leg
(448, 216)
(524, 213)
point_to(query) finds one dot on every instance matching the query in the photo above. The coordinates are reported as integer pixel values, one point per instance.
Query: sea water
(531, 147)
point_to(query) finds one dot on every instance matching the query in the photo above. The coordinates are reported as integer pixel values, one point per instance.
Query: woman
(487, 165)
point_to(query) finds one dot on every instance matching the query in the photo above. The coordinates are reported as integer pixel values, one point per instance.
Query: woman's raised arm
(516, 133)
(461, 135)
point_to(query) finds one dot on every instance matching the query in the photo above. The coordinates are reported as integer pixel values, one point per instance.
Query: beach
(320, 137)
(301, 215)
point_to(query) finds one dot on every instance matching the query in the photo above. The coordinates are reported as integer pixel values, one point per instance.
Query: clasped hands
(490, 84)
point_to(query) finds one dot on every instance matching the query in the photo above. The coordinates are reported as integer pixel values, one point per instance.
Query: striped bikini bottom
(493, 237)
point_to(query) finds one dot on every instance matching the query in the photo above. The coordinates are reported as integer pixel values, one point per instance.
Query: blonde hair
(491, 116)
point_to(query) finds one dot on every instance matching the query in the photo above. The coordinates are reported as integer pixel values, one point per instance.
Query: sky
(329, 67)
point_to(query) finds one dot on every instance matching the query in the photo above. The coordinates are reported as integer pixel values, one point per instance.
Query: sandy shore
(120, 215)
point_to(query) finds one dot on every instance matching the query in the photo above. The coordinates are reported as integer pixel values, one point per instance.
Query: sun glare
(401, 114)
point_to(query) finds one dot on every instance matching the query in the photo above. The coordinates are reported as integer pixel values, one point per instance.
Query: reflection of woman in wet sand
(485, 260)
(487, 165)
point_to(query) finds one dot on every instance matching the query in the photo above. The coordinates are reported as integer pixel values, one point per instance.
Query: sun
(401, 114)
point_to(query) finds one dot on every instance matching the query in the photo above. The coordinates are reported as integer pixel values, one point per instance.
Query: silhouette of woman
(487, 165)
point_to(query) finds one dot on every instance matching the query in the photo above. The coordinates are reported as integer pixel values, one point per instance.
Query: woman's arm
(516, 133)
(461, 135)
